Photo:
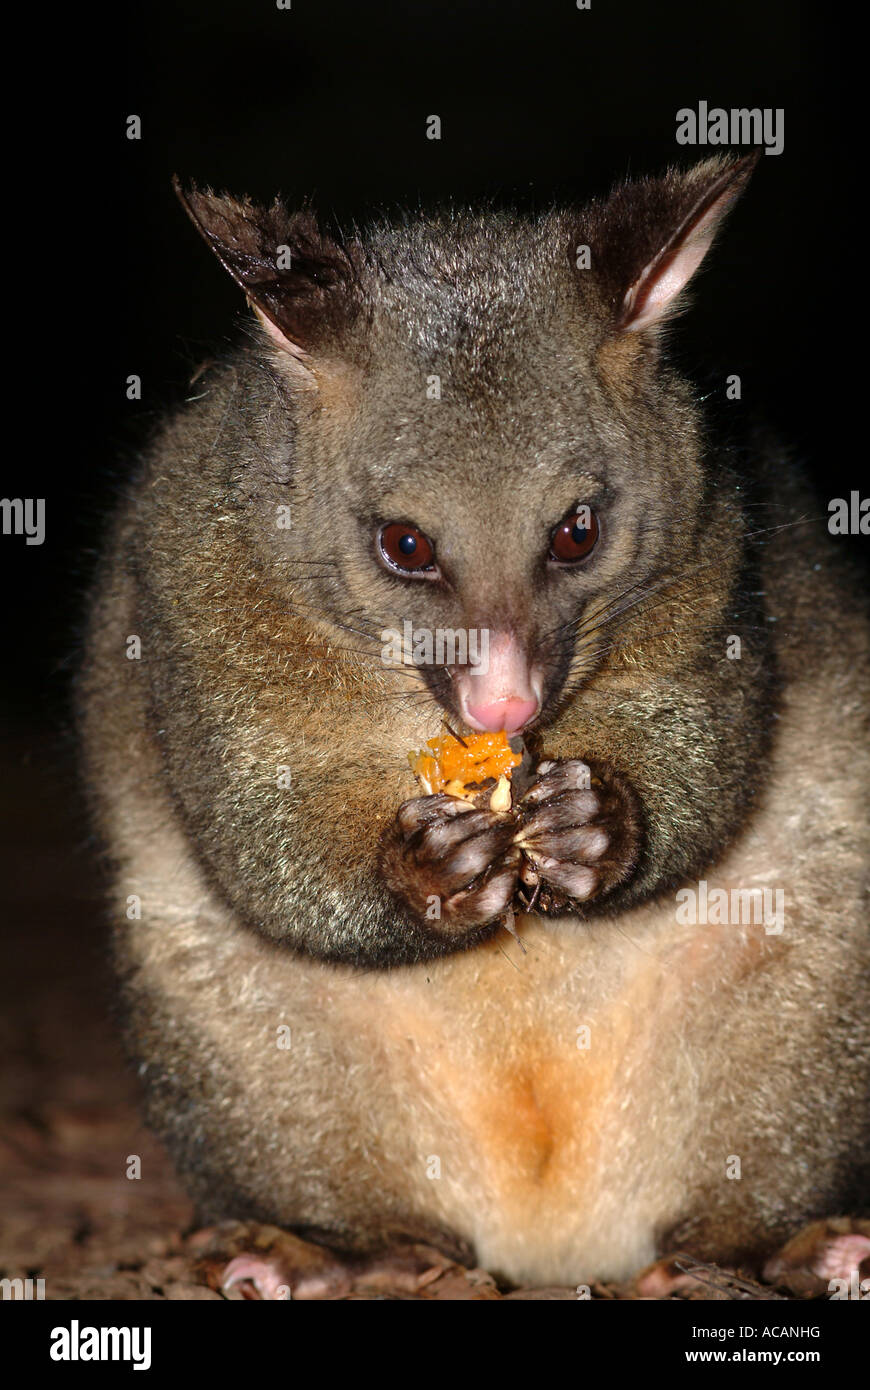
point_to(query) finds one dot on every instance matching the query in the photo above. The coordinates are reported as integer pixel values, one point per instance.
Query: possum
(468, 421)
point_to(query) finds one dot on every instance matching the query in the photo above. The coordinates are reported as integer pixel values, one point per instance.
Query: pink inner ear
(278, 337)
(648, 298)
(671, 270)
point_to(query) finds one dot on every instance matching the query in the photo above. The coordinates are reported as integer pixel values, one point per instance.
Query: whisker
(674, 578)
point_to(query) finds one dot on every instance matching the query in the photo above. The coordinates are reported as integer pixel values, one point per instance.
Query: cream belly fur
(461, 1096)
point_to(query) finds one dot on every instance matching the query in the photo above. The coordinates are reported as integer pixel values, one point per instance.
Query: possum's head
(485, 436)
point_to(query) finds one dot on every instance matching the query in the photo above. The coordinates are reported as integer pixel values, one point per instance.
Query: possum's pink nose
(510, 714)
(504, 692)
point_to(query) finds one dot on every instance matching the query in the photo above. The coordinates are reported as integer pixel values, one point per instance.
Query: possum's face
(487, 444)
(527, 498)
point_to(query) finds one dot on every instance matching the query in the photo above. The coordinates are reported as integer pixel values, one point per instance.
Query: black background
(330, 100)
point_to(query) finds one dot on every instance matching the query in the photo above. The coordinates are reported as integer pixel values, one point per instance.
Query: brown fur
(263, 906)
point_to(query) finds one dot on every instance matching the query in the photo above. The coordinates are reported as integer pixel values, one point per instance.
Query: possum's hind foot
(265, 1262)
(825, 1259)
(830, 1257)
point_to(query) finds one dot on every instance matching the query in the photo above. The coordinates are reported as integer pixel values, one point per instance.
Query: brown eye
(405, 548)
(576, 537)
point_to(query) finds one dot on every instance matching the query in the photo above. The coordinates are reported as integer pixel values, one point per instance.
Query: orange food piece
(482, 756)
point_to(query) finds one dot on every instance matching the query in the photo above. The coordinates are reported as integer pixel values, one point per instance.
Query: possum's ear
(301, 284)
(652, 235)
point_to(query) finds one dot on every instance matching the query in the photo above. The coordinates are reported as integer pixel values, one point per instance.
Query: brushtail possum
(468, 423)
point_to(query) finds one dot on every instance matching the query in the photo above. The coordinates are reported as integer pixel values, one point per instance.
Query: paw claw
(569, 775)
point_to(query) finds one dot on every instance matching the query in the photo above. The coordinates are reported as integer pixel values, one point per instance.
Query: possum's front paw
(580, 833)
(453, 865)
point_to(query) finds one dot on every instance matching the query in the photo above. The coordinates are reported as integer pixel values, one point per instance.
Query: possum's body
(719, 1096)
(452, 1097)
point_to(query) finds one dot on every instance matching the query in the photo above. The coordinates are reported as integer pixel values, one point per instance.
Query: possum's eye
(575, 537)
(406, 550)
